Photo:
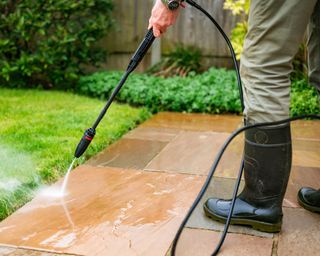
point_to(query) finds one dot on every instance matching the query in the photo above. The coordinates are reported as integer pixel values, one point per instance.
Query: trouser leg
(314, 47)
(276, 28)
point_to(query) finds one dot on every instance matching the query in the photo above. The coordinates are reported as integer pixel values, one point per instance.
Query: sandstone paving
(131, 198)
(153, 134)
(194, 153)
(14, 251)
(306, 130)
(300, 234)
(195, 122)
(197, 242)
(300, 177)
(107, 212)
(128, 153)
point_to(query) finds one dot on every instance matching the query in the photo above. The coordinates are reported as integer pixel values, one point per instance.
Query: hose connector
(172, 4)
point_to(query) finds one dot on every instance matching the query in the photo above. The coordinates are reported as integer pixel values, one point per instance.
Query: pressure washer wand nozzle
(134, 62)
(84, 142)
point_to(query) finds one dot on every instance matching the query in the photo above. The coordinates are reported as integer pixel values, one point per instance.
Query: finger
(156, 31)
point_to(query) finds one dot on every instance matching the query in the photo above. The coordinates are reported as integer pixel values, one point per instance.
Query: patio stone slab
(151, 133)
(306, 152)
(107, 211)
(194, 153)
(306, 130)
(7, 251)
(300, 233)
(128, 153)
(220, 188)
(195, 122)
(300, 177)
(4, 250)
(196, 242)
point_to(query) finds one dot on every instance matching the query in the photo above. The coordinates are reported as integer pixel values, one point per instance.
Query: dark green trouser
(276, 28)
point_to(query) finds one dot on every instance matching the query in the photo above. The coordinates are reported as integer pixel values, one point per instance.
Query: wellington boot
(268, 154)
(309, 199)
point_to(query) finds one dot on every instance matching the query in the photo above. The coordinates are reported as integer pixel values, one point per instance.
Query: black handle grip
(84, 142)
(141, 51)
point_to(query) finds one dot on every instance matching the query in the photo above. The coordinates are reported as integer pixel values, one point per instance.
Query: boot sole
(257, 225)
(308, 207)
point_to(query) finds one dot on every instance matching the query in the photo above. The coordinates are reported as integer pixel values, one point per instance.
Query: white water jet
(66, 178)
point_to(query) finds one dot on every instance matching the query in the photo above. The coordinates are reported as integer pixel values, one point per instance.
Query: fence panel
(192, 28)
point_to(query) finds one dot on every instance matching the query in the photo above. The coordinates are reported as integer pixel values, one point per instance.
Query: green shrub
(179, 62)
(214, 91)
(45, 42)
(304, 99)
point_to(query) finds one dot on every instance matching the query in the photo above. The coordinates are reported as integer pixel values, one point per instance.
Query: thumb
(156, 31)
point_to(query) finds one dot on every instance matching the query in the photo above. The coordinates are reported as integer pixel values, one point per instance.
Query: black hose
(204, 188)
(226, 38)
(226, 144)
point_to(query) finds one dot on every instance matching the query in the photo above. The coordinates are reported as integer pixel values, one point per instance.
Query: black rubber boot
(268, 154)
(309, 199)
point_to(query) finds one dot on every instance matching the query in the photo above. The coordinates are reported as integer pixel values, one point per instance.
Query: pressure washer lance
(134, 62)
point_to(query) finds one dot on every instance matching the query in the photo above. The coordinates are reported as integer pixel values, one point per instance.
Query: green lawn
(39, 131)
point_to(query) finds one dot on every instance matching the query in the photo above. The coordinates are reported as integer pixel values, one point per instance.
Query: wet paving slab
(131, 198)
(153, 134)
(300, 177)
(306, 130)
(15, 251)
(306, 152)
(195, 122)
(128, 153)
(106, 212)
(194, 153)
(300, 234)
(4, 250)
(198, 242)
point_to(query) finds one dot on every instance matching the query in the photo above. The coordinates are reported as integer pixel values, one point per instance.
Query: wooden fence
(192, 28)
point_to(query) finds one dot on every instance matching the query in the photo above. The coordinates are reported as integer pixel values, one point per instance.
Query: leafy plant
(46, 42)
(239, 8)
(180, 62)
(304, 98)
(214, 91)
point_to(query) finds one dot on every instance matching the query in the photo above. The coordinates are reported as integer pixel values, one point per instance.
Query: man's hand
(162, 18)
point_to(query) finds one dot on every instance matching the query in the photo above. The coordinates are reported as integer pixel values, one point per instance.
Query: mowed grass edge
(39, 131)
